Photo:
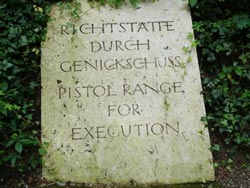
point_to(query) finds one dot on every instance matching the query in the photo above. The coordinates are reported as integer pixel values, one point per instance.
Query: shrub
(223, 31)
(22, 29)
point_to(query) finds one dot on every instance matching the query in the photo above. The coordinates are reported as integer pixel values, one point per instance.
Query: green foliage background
(222, 30)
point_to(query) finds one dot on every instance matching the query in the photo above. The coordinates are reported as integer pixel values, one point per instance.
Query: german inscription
(121, 99)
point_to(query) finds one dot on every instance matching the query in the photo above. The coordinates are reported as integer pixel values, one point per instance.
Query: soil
(232, 170)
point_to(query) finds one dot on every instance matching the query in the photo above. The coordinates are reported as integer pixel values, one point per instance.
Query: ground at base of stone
(196, 185)
(73, 185)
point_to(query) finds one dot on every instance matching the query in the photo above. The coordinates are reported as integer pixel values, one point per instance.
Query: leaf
(215, 147)
(2, 108)
(13, 160)
(34, 164)
(216, 165)
(10, 143)
(3, 6)
(133, 2)
(238, 71)
(42, 151)
(3, 85)
(190, 36)
(242, 21)
(23, 40)
(26, 141)
(19, 147)
(192, 2)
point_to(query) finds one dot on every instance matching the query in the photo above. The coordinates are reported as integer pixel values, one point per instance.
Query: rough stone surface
(126, 113)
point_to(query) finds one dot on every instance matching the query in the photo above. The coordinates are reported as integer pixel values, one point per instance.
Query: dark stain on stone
(151, 152)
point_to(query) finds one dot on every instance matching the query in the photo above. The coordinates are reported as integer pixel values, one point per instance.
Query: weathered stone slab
(121, 96)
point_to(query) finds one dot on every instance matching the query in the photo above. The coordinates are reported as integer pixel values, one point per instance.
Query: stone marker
(121, 96)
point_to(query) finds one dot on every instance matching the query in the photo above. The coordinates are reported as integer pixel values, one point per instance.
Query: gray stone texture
(121, 99)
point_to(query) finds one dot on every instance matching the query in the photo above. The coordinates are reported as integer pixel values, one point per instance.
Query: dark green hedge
(222, 29)
(22, 27)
